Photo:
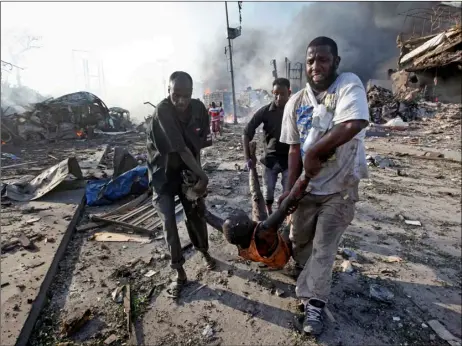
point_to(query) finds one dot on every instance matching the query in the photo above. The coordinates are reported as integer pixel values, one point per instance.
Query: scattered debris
(347, 267)
(150, 273)
(111, 339)
(35, 265)
(34, 220)
(10, 156)
(380, 293)
(413, 223)
(75, 322)
(279, 292)
(32, 210)
(397, 123)
(118, 294)
(25, 242)
(44, 182)
(381, 162)
(208, 331)
(348, 254)
(392, 259)
(443, 333)
(396, 319)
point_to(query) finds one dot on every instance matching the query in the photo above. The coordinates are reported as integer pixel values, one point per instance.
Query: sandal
(173, 291)
(209, 261)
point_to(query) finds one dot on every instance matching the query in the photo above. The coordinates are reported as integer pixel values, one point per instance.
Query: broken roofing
(432, 51)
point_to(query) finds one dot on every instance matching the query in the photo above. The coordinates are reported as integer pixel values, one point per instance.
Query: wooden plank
(121, 223)
(119, 237)
(124, 217)
(89, 226)
(128, 308)
(143, 217)
(20, 164)
(128, 206)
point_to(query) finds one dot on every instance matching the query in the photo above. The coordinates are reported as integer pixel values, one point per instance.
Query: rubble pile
(378, 96)
(383, 106)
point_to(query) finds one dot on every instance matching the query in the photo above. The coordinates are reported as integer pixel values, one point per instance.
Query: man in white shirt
(326, 211)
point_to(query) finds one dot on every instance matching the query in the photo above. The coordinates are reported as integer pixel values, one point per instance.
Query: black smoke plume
(365, 32)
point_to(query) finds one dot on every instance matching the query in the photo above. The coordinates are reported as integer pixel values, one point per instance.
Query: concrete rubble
(384, 267)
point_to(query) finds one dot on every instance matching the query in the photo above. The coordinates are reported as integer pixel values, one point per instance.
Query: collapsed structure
(429, 66)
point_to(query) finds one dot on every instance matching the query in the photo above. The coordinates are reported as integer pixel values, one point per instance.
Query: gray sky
(130, 39)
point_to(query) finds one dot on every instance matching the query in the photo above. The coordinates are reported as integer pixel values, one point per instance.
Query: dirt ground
(241, 303)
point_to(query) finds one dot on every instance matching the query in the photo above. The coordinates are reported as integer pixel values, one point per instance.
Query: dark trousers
(195, 224)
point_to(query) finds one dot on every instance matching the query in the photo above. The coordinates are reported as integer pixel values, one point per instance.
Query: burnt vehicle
(66, 117)
(120, 119)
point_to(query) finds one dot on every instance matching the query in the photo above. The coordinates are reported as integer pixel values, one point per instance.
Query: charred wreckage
(72, 116)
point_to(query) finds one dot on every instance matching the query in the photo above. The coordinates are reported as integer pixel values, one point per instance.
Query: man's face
(321, 67)
(180, 92)
(281, 95)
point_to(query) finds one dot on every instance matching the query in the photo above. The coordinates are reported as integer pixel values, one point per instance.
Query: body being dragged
(260, 239)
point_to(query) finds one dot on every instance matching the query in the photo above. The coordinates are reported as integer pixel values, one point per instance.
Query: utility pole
(231, 63)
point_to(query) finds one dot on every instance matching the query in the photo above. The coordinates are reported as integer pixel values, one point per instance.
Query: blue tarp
(105, 191)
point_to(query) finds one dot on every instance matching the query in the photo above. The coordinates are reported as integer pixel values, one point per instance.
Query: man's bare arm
(295, 164)
(258, 202)
(249, 132)
(245, 144)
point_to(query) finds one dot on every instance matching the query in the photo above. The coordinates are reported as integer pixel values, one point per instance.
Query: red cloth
(214, 113)
(216, 125)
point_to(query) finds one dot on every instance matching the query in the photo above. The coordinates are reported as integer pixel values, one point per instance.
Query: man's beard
(325, 83)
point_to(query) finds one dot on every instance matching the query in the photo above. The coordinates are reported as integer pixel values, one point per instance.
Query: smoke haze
(140, 44)
(365, 33)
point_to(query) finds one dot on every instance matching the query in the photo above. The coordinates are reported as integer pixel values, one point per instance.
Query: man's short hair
(324, 41)
(238, 229)
(177, 74)
(282, 82)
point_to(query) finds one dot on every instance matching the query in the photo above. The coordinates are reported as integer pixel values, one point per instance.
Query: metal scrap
(138, 215)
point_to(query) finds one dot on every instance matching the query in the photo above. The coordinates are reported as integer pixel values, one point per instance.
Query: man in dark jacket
(275, 161)
(180, 128)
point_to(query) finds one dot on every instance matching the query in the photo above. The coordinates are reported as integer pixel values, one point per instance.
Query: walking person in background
(326, 211)
(214, 113)
(222, 116)
(179, 129)
(275, 161)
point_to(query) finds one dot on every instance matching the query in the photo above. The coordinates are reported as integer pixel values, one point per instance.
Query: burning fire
(79, 133)
(207, 91)
(3, 142)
